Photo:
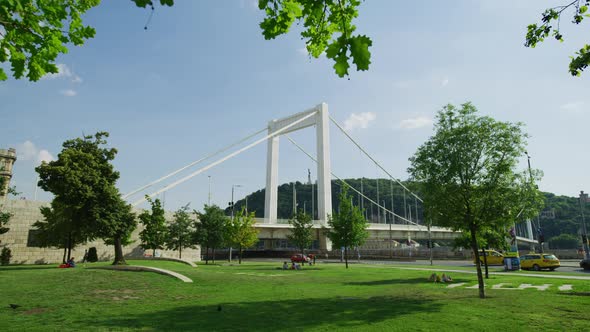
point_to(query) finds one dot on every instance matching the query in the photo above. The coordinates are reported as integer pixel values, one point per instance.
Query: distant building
(7, 159)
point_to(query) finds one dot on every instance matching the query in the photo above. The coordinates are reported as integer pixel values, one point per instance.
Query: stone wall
(25, 213)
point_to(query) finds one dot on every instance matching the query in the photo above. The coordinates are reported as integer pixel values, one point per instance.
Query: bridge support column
(272, 178)
(324, 171)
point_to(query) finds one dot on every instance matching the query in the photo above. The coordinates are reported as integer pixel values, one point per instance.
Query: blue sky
(202, 76)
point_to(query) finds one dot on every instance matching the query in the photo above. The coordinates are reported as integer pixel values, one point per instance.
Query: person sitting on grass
(446, 278)
(292, 265)
(297, 266)
(432, 277)
(285, 266)
(71, 262)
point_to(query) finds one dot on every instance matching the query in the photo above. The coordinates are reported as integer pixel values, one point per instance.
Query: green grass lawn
(258, 296)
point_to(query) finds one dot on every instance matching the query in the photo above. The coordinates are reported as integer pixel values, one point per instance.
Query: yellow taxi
(493, 257)
(539, 261)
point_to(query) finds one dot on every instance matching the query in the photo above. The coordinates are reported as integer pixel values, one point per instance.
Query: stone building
(7, 159)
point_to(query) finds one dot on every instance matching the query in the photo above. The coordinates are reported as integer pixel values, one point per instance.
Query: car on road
(585, 264)
(300, 258)
(493, 257)
(538, 262)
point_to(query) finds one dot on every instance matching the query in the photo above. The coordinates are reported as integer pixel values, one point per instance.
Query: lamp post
(583, 199)
(233, 186)
(209, 197)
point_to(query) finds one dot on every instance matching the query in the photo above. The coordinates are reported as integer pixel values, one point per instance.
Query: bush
(5, 256)
(92, 255)
(564, 241)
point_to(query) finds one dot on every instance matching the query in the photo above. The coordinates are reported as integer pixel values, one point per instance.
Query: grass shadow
(401, 281)
(294, 314)
(28, 267)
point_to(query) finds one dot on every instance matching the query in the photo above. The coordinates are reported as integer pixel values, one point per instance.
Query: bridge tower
(7, 159)
(324, 187)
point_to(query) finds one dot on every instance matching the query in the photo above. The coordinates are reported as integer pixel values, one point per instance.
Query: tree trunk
(475, 249)
(180, 251)
(485, 263)
(154, 253)
(240, 259)
(63, 260)
(346, 256)
(119, 259)
(69, 245)
(213, 255)
(206, 255)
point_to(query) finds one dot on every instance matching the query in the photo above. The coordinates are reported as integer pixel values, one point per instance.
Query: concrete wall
(25, 213)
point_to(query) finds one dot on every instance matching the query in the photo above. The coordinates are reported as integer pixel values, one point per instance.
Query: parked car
(299, 258)
(539, 261)
(493, 257)
(585, 264)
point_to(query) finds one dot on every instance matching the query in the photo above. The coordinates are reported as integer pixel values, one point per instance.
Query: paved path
(144, 269)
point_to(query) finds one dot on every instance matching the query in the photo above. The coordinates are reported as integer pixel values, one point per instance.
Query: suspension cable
(351, 187)
(231, 155)
(194, 163)
(376, 163)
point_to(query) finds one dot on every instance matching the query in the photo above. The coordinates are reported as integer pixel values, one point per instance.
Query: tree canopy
(82, 180)
(550, 25)
(468, 178)
(180, 231)
(153, 236)
(302, 231)
(240, 231)
(210, 229)
(34, 32)
(348, 225)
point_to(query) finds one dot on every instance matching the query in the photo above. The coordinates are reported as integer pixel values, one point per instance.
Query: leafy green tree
(240, 231)
(34, 32)
(180, 231)
(468, 178)
(302, 231)
(348, 225)
(565, 241)
(4, 215)
(550, 25)
(210, 229)
(58, 230)
(153, 236)
(82, 180)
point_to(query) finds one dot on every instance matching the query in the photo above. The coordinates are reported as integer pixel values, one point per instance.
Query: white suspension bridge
(391, 226)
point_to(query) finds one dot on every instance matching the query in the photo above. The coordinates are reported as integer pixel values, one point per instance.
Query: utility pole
(540, 236)
(209, 198)
(232, 211)
(583, 200)
(294, 200)
(378, 208)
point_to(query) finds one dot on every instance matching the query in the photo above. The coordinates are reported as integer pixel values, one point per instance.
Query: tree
(34, 32)
(240, 231)
(302, 231)
(348, 225)
(564, 241)
(467, 174)
(82, 180)
(537, 33)
(4, 216)
(210, 228)
(154, 234)
(58, 230)
(180, 231)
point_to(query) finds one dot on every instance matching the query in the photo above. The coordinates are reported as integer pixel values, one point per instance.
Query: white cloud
(68, 93)
(415, 123)
(573, 107)
(28, 151)
(63, 71)
(360, 120)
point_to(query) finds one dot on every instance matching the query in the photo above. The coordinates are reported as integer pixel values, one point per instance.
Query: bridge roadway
(377, 232)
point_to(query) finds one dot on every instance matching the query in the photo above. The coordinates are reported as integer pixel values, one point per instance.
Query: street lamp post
(583, 199)
(233, 186)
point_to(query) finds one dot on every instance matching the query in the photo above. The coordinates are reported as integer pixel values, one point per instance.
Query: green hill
(560, 216)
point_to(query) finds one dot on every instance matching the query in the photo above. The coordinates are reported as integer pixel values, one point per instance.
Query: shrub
(564, 241)
(92, 255)
(5, 256)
